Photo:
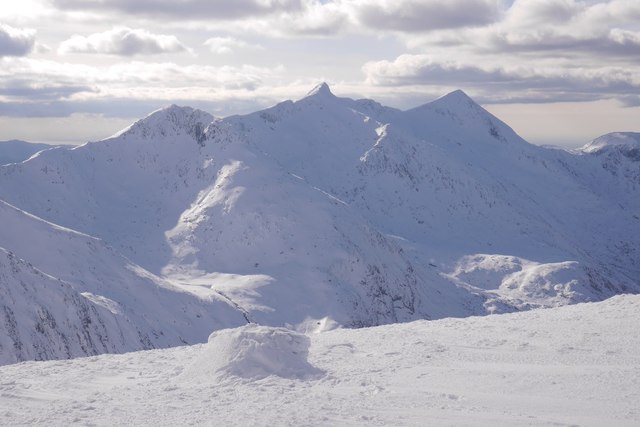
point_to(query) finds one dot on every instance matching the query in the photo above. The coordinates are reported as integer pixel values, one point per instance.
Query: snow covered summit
(628, 143)
(170, 122)
(321, 90)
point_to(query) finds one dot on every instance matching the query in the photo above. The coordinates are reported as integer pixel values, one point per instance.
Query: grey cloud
(31, 92)
(116, 108)
(426, 15)
(616, 43)
(185, 9)
(124, 107)
(16, 42)
(630, 100)
(124, 42)
(499, 85)
(420, 69)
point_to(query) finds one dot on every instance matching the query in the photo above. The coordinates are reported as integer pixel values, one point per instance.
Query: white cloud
(223, 45)
(16, 41)
(542, 12)
(35, 87)
(567, 28)
(124, 42)
(551, 28)
(314, 18)
(318, 19)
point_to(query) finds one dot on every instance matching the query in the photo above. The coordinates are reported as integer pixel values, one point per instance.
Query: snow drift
(254, 352)
(565, 366)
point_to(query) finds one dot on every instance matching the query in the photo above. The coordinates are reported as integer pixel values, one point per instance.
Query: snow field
(568, 366)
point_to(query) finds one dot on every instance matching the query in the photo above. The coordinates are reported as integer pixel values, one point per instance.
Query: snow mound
(255, 352)
(317, 326)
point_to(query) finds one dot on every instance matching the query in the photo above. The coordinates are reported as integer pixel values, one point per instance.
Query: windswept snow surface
(570, 366)
(326, 209)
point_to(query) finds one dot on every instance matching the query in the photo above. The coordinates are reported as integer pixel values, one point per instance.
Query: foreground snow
(574, 365)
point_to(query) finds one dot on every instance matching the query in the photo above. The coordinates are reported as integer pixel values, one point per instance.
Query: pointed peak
(456, 102)
(456, 97)
(319, 96)
(320, 90)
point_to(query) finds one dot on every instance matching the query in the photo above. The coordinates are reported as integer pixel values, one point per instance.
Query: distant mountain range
(320, 212)
(16, 151)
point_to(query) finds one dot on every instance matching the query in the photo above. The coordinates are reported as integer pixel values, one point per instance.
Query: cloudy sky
(558, 71)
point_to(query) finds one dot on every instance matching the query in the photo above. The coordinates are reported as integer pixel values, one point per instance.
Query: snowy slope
(127, 308)
(328, 209)
(308, 254)
(16, 151)
(44, 318)
(575, 365)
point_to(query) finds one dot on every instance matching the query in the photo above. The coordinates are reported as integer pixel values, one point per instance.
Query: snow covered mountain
(619, 155)
(330, 210)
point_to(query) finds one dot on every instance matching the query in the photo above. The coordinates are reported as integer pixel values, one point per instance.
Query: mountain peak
(457, 97)
(627, 143)
(176, 113)
(169, 121)
(320, 90)
(456, 101)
